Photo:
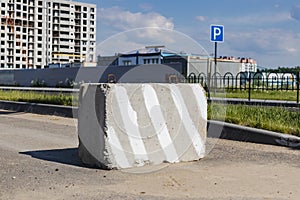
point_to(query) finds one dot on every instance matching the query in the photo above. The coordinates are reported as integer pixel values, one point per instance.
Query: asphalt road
(39, 161)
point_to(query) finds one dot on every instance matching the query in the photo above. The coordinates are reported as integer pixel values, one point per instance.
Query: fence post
(298, 79)
(208, 86)
(249, 89)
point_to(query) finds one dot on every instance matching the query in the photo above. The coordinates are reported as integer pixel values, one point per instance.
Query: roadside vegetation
(269, 118)
(276, 119)
(263, 95)
(38, 97)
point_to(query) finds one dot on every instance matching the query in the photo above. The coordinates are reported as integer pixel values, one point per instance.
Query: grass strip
(264, 95)
(37, 97)
(276, 119)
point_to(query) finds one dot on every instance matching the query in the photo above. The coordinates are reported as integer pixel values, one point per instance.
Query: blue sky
(266, 30)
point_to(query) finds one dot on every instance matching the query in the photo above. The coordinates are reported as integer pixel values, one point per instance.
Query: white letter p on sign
(217, 32)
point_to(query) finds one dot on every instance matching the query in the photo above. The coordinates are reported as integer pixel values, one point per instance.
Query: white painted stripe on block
(159, 123)
(187, 121)
(117, 149)
(201, 99)
(130, 122)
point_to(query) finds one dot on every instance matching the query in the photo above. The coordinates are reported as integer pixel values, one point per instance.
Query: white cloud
(201, 18)
(135, 30)
(271, 47)
(126, 20)
(259, 19)
(127, 41)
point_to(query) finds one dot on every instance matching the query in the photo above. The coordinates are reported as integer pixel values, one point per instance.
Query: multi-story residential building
(36, 33)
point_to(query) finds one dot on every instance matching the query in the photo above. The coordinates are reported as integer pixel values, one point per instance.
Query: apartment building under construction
(37, 33)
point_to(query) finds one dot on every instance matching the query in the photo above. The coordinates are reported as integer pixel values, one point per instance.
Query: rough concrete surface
(39, 161)
(133, 125)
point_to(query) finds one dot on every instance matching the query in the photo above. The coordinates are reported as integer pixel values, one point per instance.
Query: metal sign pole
(215, 69)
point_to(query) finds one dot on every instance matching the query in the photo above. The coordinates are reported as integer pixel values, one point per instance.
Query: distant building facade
(190, 63)
(37, 33)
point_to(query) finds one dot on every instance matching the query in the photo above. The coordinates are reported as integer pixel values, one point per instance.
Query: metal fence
(247, 82)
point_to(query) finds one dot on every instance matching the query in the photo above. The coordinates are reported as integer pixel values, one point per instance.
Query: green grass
(268, 118)
(36, 97)
(265, 95)
(276, 119)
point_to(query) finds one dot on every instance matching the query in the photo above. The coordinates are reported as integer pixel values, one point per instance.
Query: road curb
(37, 108)
(223, 130)
(256, 102)
(216, 129)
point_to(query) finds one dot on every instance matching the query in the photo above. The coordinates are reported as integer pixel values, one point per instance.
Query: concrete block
(130, 125)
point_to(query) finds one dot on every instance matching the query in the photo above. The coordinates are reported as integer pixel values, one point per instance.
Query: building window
(127, 62)
(92, 10)
(155, 61)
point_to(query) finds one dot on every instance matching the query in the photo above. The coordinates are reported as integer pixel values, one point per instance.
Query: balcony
(64, 22)
(64, 43)
(64, 29)
(65, 15)
(65, 50)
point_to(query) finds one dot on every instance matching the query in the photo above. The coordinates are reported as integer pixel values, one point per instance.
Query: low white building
(191, 63)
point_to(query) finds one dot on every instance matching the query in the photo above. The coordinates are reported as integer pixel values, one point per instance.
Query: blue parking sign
(217, 33)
